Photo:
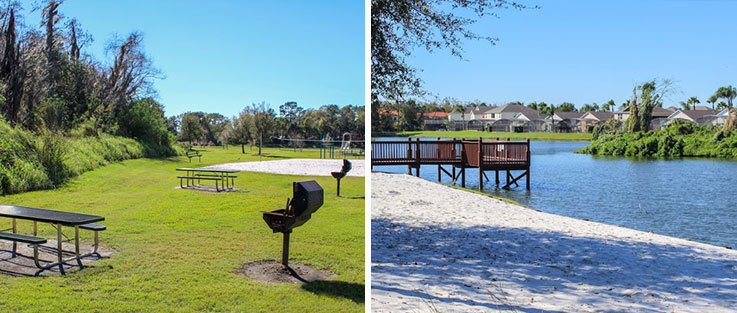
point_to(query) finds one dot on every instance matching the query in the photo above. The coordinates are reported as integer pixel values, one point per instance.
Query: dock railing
(496, 155)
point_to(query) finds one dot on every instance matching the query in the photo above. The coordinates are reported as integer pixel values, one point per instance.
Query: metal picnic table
(196, 174)
(57, 219)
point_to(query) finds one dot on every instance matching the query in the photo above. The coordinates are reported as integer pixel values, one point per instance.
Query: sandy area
(439, 249)
(303, 167)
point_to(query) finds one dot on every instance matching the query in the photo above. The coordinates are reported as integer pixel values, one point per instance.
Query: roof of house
(694, 114)
(390, 112)
(568, 115)
(701, 108)
(436, 114)
(601, 116)
(657, 111)
(477, 109)
(510, 108)
(530, 115)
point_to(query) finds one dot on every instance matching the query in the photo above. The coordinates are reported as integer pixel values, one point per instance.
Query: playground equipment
(345, 145)
(327, 150)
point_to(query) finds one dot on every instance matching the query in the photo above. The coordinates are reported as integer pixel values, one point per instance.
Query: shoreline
(436, 247)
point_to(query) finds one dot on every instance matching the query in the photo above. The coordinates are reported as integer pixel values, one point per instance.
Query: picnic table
(225, 177)
(57, 219)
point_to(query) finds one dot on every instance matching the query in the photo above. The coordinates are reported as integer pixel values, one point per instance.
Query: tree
(241, 132)
(400, 26)
(690, 103)
(566, 107)
(131, 73)
(289, 118)
(609, 106)
(650, 95)
(713, 99)
(262, 123)
(410, 116)
(191, 128)
(728, 93)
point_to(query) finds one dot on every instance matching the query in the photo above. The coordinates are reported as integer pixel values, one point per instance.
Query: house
(435, 121)
(393, 113)
(695, 116)
(469, 113)
(507, 111)
(567, 121)
(436, 115)
(658, 112)
(588, 120)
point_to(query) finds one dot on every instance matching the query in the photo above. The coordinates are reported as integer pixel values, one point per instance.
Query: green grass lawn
(472, 134)
(177, 249)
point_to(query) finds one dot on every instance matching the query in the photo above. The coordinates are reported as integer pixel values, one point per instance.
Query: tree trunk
(260, 144)
(243, 148)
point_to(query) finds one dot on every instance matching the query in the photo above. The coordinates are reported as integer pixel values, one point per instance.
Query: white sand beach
(440, 249)
(303, 167)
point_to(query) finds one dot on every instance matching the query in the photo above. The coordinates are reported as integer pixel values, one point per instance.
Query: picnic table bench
(194, 153)
(222, 178)
(57, 219)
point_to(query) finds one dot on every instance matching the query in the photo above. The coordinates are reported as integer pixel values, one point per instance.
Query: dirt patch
(273, 272)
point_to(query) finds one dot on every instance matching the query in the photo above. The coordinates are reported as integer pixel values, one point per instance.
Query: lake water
(691, 198)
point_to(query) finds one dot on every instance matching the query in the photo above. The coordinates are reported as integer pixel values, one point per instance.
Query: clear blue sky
(219, 56)
(591, 51)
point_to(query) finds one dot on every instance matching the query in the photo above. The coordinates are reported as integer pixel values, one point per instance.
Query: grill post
(285, 249)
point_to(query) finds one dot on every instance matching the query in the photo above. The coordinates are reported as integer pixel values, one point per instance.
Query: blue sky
(219, 56)
(591, 51)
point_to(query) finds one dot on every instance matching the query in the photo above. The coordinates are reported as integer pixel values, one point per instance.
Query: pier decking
(486, 155)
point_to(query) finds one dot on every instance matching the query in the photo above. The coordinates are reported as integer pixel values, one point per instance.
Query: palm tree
(728, 93)
(712, 100)
(685, 105)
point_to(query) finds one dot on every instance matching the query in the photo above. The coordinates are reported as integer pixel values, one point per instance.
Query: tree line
(259, 124)
(48, 83)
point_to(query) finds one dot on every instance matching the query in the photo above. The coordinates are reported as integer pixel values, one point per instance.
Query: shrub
(143, 120)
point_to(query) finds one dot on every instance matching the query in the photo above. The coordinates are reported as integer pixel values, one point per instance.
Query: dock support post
(439, 180)
(497, 178)
(527, 179)
(463, 177)
(454, 174)
(481, 166)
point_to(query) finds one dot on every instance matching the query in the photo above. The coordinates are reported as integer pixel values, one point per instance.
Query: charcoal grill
(307, 197)
(343, 171)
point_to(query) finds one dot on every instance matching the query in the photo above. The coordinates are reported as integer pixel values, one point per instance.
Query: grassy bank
(33, 161)
(178, 249)
(490, 135)
(675, 141)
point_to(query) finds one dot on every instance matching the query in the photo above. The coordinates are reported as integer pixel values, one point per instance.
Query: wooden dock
(460, 154)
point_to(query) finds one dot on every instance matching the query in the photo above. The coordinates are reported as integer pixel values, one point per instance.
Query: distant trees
(47, 82)
(566, 107)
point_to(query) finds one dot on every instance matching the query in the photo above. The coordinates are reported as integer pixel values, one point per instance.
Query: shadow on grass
(483, 257)
(340, 289)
